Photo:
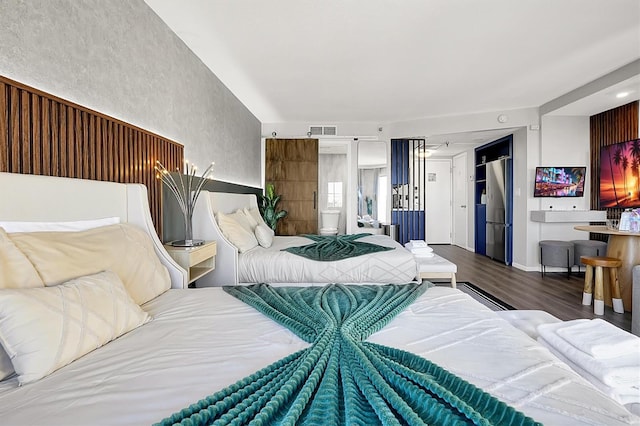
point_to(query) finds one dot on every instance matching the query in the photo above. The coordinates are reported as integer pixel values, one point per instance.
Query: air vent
(323, 130)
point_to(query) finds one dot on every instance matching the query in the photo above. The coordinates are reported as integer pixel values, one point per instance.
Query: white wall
(120, 59)
(526, 146)
(565, 142)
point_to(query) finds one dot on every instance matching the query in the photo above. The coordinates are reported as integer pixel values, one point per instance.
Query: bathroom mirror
(373, 186)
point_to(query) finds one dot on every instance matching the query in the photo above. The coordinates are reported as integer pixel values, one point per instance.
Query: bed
(201, 340)
(273, 265)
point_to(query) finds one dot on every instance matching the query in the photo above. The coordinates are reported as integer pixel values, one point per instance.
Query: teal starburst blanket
(341, 379)
(336, 247)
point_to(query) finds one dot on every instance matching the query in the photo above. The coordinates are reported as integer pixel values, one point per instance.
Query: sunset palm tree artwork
(620, 175)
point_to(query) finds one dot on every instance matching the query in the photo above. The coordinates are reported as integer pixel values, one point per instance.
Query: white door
(438, 210)
(460, 201)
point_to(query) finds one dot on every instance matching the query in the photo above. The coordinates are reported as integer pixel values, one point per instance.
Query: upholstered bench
(556, 253)
(587, 248)
(436, 267)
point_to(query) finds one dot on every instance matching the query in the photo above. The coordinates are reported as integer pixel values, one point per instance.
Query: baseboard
(530, 268)
(550, 269)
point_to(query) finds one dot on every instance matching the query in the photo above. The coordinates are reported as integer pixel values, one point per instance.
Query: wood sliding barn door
(292, 166)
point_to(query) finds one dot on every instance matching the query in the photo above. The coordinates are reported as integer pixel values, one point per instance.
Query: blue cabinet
(500, 231)
(481, 229)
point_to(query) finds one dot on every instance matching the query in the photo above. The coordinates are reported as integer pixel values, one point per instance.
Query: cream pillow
(264, 235)
(44, 329)
(124, 249)
(15, 269)
(236, 234)
(252, 221)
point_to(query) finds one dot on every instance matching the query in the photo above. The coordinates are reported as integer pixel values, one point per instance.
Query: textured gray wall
(119, 58)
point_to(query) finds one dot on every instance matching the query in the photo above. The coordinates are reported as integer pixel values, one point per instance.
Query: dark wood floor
(554, 293)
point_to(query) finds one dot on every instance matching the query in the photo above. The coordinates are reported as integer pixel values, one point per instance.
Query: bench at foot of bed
(436, 267)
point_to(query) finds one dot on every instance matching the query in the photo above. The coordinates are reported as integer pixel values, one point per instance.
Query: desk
(626, 247)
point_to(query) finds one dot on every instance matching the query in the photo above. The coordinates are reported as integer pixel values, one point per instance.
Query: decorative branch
(183, 189)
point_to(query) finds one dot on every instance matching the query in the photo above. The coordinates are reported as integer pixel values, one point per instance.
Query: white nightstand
(198, 260)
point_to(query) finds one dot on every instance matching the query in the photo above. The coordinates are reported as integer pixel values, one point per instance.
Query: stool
(587, 248)
(556, 253)
(601, 262)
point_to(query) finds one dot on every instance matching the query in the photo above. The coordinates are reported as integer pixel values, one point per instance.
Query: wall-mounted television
(553, 181)
(620, 175)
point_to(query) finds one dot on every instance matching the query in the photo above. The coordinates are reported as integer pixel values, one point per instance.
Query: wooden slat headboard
(44, 135)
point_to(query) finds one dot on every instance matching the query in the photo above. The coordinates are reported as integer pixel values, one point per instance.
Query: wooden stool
(601, 262)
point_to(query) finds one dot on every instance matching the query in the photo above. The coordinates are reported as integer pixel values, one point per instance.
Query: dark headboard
(42, 134)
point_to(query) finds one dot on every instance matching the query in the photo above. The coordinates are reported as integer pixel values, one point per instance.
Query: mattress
(272, 265)
(201, 340)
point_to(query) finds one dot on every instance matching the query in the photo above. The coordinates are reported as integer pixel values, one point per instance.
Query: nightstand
(198, 260)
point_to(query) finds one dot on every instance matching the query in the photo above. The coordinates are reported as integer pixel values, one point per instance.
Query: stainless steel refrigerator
(496, 209)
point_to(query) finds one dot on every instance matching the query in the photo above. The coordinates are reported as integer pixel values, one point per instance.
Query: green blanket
(341, 379)
(335, 247)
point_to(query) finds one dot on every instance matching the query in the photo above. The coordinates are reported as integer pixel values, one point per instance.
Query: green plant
(268, 204)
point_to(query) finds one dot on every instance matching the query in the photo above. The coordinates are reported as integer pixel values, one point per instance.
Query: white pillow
(15, 272)
(264, 235)
(242, 220)
(78, 225)
(250, 219)
(44, 329)
(236, 234)
(255, 214)
(6, 367)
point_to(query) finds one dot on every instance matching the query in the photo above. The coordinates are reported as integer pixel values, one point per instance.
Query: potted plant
(267, 206)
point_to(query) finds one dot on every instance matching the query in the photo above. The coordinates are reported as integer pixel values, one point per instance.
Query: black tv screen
(619, 176)
(553, 181)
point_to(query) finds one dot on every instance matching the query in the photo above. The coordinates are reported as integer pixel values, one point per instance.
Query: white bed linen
(199, 341)
(203, 339)
(273, 265)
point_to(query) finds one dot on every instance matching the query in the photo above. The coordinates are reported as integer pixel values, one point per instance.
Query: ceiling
(380, 61)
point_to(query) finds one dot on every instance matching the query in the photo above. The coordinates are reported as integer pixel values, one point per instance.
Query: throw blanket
(335, 247)
(341, 379)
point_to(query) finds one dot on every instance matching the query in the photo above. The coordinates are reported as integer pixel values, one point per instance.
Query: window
(334, 197)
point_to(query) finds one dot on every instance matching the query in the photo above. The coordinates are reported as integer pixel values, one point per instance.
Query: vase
(188, 234)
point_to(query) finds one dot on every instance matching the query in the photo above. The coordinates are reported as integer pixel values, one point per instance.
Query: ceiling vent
(323, 130)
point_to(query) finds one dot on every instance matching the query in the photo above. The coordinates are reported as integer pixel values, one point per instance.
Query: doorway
(333, 179)
(460, 201)
(438, 210)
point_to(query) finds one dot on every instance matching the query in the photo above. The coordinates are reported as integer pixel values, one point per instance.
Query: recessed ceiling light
(622, 95)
